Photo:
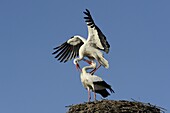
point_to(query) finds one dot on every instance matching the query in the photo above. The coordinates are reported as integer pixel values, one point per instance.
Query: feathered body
(94, 83)
(78, 46)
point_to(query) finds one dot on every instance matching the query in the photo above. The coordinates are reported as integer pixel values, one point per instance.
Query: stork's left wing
(95, 36)
(68, 50)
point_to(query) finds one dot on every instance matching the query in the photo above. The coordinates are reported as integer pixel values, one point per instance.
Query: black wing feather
(66, 54)
(63, 53)
(66, 51)
(104, 93)
(59, 48)
(104, 84)
(62, 50)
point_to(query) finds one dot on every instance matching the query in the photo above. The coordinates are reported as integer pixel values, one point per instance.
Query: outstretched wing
(68, 50)
(95, 36)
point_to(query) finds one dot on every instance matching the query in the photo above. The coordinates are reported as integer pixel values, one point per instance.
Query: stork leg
(94, 70)
(94, 96)
(89, 96)
(88, 61)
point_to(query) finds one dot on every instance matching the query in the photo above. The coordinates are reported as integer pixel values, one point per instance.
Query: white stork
(78, 46)
(94, 83)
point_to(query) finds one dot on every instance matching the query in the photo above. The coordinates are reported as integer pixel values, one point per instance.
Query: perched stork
(94, 83)
(78, 46)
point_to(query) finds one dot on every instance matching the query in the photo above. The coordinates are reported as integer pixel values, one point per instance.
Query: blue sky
(32, 81)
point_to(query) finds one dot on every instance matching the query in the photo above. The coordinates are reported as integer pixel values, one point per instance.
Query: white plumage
(78, 46)
(94, 83)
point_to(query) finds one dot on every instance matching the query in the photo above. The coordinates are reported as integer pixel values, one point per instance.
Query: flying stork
(94, 83)
(77, 46)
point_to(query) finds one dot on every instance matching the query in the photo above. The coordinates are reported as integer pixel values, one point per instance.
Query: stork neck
(84, 69)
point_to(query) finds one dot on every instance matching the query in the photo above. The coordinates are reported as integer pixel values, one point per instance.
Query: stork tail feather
(104, 93)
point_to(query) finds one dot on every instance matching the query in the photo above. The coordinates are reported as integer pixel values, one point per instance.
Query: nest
(112, 106)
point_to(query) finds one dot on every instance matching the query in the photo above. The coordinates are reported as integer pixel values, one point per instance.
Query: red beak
(78, 67)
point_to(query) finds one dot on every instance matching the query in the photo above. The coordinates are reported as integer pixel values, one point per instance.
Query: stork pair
(78, 47)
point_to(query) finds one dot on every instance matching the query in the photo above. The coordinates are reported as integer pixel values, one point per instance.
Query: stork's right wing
(95, 36)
